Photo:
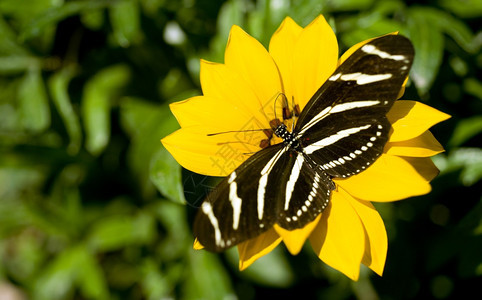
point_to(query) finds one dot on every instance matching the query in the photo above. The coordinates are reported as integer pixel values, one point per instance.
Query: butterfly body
(340, 132)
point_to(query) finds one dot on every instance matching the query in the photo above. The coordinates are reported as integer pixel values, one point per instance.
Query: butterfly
(340, 132)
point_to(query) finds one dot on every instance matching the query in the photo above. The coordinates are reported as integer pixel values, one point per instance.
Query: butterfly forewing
(341, 131)
(344, 126)
(376, 71)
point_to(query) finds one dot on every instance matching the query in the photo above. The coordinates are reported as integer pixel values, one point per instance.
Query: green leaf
(93, 19)
(71, 268)
(124, 17)
(377, 21)
(147, 124)
(465, 130)
(8, 41)
(27, 258)
(231, 13)
(446, 23)
(175, 83)
(91, 281)
(178, 239)
(466, 160)
(165, 173)
(15, 64)
(378, 28)
(58, 85)
(463, 8)
(349, 5)
(119, 231)
(97, 98)
(473, 87)
(33, 102)
(57, 13)
(154, 283)
(58, 278)
(206, 277)
(271, 270)
(428, 42)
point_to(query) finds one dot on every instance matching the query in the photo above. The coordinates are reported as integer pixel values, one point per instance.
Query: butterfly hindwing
(305, 193)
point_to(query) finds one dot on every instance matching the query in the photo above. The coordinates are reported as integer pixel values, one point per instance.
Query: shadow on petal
(253, 249)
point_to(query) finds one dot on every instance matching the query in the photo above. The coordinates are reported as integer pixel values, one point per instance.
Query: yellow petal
(390, 178)
(220, 82)
(249, 59)
(402, 90)
(315, 59)
(424, 145)
(197, 245)
(281, 49)
(339, 238)
(209, 155)
(253, 249)
(376, 236)
(295, 239)
(211, 112)
(410, 119)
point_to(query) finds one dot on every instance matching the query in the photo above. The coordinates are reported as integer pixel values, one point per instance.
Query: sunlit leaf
(231, 13)
(466, 129)
(33, 102)
(57, 13)
(165, 173)
(473, 87)
(71, 268)
(57, 281)
(8, 41)
(124, 17)
(58, 86)
(91, 281)
(97, 99)
(116, 232)
(446, 23)
(15, 64)
(349, 5)
(468, 161)
(155, 284)
(428, 42)
(147, 124)
(463, 8)
(206, 277)
(270, 270)
(93, 19)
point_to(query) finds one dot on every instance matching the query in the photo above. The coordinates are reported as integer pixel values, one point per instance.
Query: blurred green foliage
(93, 207)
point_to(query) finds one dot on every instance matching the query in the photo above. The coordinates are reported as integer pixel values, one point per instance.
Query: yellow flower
(240, 95)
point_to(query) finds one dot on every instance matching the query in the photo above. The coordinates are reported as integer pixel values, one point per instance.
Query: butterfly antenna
(233, 131)
(295, 113)
(275, 101)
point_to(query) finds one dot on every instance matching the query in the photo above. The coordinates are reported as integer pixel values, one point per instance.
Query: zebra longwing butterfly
(340, 132)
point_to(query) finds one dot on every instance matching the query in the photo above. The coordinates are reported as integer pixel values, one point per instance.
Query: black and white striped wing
(303, 194)
(339, 133)
(275, 185)
(343, 127)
